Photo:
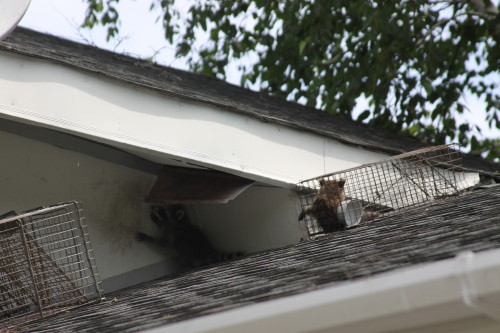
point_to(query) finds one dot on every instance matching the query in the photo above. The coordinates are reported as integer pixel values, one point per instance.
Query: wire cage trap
(46, 263)
(342, 199)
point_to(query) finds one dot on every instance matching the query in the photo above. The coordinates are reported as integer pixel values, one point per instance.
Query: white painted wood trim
(160, 128)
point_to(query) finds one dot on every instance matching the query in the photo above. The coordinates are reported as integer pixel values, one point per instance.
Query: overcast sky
(141, 37)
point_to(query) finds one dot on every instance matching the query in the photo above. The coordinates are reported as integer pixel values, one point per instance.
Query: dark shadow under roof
(437, 231)
(204, 89)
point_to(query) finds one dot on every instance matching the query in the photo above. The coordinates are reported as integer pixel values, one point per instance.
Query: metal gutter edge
(462, 287)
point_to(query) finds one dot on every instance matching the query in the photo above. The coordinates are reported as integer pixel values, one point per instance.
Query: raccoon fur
(324, 207)
(191, 245)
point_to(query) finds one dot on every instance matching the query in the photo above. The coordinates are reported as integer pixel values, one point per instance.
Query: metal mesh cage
(47, 263)
(342, 199)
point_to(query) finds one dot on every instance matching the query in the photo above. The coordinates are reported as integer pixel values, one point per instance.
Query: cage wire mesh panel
(46, 263)
(338, 200)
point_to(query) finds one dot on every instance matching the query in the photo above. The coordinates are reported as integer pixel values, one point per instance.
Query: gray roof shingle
(436, 231)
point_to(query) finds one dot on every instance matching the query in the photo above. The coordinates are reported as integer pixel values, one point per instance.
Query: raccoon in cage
(325, 204)
(176, 232)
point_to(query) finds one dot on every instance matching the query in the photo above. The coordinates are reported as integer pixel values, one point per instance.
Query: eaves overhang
(194, 89)
(202, 89)
(165, 130)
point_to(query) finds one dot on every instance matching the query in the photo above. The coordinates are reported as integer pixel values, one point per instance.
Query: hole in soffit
(187, 185)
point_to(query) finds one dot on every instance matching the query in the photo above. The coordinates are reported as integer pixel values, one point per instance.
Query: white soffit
(161, 128)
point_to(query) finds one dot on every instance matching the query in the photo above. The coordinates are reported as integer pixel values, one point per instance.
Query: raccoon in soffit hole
(176, 232)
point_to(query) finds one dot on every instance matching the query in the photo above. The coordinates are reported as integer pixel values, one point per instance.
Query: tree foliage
(411, 60)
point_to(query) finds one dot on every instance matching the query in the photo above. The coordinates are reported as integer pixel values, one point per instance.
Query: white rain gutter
(466, 286)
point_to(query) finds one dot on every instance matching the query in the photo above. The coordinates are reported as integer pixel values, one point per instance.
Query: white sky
(141, 36)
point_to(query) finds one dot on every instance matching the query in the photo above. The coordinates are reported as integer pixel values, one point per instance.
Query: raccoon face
(168, 216)
(332, 189)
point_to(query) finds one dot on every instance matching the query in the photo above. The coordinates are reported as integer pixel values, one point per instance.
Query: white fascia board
(463, 287)
(160, 128)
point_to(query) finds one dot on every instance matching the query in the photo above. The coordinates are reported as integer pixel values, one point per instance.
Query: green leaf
(474, 143)
(364, 115)
(428, 86)
(302, 45)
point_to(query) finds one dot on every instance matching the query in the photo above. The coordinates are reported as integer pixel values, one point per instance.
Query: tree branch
(446, 21)
(332, 60)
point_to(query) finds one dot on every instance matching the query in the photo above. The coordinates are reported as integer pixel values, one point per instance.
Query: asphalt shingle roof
(439, 230)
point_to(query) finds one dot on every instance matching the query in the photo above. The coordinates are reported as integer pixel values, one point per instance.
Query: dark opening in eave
(186, 185)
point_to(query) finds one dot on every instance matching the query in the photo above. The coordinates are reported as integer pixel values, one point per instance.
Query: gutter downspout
(422, 295)
(468, 283)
